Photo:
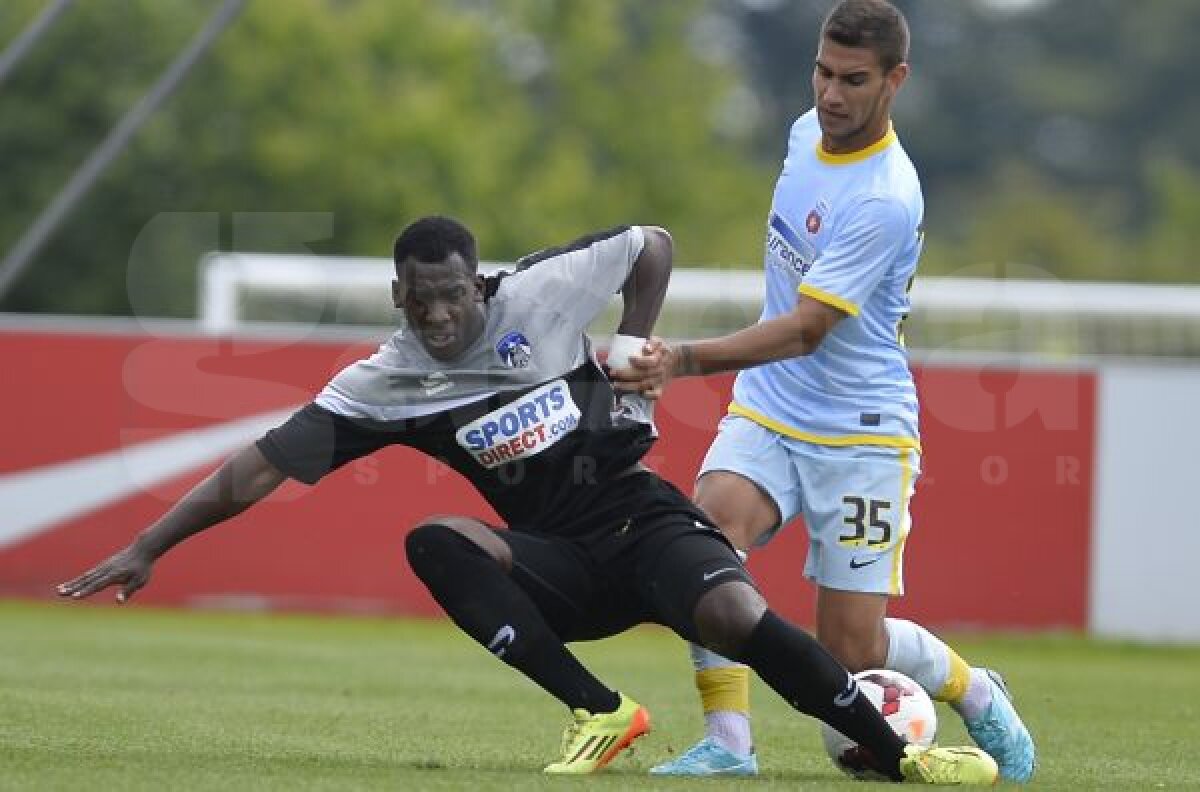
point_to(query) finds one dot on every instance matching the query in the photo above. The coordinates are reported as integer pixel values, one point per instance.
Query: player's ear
(480, 288)
(397, 294)
(897, 76)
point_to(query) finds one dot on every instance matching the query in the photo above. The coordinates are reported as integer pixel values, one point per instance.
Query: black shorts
(601, 585)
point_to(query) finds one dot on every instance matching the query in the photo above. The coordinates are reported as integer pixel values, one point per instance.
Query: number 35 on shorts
(868, 522)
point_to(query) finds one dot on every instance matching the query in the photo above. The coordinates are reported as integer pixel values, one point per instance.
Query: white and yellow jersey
(845, 230)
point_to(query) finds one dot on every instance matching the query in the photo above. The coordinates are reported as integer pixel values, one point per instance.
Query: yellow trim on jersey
(889, 441)
(857, 156)
(906, 475)
(820, 295)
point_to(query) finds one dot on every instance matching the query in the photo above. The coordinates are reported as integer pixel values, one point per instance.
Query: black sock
(488, 606)
(811, 680)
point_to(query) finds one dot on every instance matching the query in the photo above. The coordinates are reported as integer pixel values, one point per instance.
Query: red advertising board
(1001, 518)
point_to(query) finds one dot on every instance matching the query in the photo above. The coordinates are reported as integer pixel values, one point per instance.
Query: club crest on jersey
(816, 216)
(523, 428)
(514, 349)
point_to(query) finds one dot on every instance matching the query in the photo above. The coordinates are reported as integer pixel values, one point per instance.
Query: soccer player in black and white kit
(496, 378)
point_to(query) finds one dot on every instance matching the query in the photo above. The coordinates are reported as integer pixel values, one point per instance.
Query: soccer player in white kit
(823, 421)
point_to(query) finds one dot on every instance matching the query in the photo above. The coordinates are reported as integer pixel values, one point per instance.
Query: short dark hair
(435, 238)
(876, 24)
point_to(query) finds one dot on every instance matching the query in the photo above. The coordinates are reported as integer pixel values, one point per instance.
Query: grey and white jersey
(534, 332)
(526, 413)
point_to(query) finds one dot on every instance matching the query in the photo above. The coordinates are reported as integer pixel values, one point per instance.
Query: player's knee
(740, 531)
(741, 534)
(726, 615)
(434, 548)
(426, 545)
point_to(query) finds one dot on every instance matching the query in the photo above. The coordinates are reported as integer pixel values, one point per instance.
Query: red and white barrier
(1051, 498)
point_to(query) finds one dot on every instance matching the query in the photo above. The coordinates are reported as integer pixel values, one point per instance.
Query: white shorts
(854, 500)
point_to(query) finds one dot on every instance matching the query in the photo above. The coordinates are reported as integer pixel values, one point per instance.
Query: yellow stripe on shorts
(906, 477)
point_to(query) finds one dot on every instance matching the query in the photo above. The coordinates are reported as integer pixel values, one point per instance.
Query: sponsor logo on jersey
(523, 428)
(514, 349)
(787, 249)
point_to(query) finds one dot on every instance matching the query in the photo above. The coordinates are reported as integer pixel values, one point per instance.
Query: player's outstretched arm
(794, 334)
(245, 478)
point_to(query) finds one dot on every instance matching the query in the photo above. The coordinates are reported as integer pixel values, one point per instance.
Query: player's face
(853, 95)
(443, 303)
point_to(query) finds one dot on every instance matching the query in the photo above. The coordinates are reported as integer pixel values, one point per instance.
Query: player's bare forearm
(777, 339)
(243, 480)
(646, 287)
(794, 334)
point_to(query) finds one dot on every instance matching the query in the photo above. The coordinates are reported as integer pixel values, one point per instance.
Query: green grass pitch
(108, 698)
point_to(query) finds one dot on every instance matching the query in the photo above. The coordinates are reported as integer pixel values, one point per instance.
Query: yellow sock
(957, 680)
(724, 689)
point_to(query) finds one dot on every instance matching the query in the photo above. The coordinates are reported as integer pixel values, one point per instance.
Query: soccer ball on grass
(907, 709)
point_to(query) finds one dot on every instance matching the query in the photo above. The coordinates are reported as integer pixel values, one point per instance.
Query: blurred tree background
(1050, 134)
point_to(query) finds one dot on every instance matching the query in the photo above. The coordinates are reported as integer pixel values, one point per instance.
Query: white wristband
(621, 348)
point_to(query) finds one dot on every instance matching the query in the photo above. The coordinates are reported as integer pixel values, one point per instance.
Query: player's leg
(745, 485)
(857, 511)
(850, 624)
(697, 587)
(468, 568)
(978, 694)
(847, 623)
(521, 597)
(854, 627)
(743, 512)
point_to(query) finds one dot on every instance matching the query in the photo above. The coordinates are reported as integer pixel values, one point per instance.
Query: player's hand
(129, 569)
(647, 374)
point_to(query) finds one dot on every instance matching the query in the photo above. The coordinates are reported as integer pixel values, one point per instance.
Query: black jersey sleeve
(315, 441)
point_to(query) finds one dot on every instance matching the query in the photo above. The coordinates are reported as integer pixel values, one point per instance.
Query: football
(907, 708)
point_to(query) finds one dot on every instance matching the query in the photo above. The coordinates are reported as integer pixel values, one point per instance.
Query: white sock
(731, 729)
(945, 676)
(978, 698)
(918, 654)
